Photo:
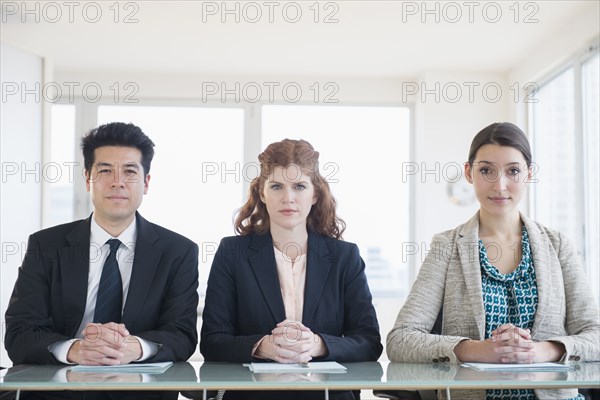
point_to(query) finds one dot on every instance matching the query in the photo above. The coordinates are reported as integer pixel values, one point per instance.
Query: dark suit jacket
(48, 301)
(244, 303)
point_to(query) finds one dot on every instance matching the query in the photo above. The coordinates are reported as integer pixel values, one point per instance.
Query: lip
(499, 199)
(287, 211)
(116, 198)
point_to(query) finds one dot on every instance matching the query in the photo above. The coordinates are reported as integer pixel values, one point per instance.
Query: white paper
(142, 368)
(535, 367)
(331, 367)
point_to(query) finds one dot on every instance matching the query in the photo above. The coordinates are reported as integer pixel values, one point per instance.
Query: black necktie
(109, 301)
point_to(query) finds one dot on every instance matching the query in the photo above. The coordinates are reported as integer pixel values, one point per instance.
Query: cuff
(149, 349)
(253, 353)
(60, 350)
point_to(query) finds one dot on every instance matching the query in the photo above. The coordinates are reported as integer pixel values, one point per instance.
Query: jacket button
(435, 360)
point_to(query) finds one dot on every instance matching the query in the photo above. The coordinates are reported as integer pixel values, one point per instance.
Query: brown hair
(253, 216)
(503, 134)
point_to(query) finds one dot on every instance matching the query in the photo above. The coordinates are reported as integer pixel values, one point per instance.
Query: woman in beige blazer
(511, 290)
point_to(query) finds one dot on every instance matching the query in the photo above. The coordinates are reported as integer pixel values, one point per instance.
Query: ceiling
(369, 39)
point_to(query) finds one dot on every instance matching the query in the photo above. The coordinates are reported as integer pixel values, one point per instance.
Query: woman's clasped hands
(512, 344)
(291, 342)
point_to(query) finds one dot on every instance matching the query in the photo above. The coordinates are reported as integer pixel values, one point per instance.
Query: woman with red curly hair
(287, 289)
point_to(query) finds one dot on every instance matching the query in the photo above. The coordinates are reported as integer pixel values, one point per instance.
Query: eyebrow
(127, 164)
(131, 164)
(490, 162)
(274, 181)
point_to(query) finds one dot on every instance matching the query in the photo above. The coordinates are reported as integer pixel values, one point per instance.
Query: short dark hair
(503, 134)
(117, 134)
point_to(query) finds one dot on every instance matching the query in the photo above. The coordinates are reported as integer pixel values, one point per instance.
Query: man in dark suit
(113, 288)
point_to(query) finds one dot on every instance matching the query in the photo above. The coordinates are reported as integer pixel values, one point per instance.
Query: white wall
(21, 150)
(444, 128)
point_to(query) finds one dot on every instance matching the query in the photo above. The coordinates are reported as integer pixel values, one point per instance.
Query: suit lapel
(74, 269)
(468, 250)
(540, 252)
(262, 261)
(145, 263)
(318, 265)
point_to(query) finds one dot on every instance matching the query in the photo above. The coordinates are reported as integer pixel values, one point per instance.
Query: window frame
(582, 242)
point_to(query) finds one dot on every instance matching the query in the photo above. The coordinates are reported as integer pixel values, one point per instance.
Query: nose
(288, 195)
(500, 184)
(118, 179)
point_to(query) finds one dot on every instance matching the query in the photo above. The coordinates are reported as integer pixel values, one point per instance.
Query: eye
(104, 170)
(484, 170)
(514, 171)
(275, 186)
(131, 171)
(300, 186)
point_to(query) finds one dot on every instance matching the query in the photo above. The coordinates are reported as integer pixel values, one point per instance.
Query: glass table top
(365, 375)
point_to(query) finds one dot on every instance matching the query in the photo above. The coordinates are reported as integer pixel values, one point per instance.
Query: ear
(529, 174)
(146, 182)
(87, 180)
(468, 172)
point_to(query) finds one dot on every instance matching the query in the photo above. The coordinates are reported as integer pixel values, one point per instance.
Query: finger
(512, 349)
(518, 358)
(291, 335)
(303, 357)
(104, 340)
(291, 323)
(299, 347)
(284, 352)
(106, 351)
(107, 333)
(117, 331)
(93, 357)
(119, 328)
(511, 336)
(502, 328)
(92, 329)
(526, 333)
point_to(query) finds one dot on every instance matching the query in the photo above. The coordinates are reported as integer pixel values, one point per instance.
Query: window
(565, 132)
(555, 156)
(591, 157)
(61, 171)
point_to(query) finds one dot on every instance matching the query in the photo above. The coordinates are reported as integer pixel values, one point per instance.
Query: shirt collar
(279, 255)
(127, 237)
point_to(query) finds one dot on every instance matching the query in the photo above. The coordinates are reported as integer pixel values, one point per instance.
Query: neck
(283, 238)
(506, 225)
(114, 228)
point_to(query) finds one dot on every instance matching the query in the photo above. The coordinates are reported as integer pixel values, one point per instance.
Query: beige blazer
(567, 312)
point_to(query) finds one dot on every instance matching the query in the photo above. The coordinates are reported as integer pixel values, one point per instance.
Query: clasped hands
(105, 344)
(291, 342)
(510, 344)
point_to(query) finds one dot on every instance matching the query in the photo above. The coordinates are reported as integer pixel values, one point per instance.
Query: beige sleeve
(410, 339)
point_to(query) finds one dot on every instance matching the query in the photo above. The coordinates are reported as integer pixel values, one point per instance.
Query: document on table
(330, 367)
(142, 368)
(535, 367)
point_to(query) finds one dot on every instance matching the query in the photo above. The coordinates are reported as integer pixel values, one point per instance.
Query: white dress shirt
(99, 251)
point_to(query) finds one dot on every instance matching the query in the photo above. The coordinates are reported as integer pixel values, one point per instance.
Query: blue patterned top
(509, 298)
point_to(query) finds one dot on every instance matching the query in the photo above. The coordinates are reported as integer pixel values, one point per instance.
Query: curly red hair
(322, 219)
